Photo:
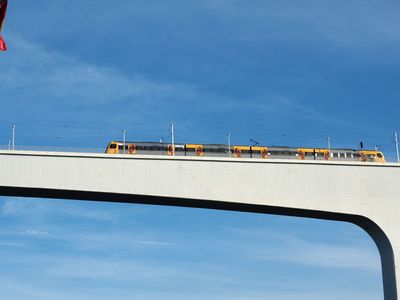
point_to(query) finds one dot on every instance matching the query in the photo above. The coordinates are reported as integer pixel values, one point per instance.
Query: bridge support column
(387, 239)
(396, 249)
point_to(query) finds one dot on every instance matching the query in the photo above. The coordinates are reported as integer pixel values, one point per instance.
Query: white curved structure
(366, 194)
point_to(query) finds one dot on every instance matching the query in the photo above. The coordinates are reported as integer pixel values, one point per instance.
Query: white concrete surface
(331, 190)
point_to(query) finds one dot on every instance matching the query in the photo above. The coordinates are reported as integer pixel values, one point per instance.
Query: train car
(340, 154)
(244, 151)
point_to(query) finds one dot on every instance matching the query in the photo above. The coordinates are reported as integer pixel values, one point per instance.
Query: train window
(335, 155)
(216, 150)
(349, 155)
(113, 146)
(379, 155)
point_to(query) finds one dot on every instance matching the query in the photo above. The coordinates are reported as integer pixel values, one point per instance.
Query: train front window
(379, 155)
(113, 146)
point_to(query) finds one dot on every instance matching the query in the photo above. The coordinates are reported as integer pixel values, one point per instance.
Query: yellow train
(262, 152)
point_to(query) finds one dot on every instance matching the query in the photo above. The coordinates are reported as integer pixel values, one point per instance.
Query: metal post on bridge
(229, 144)
(173, 139)
(13, 137)
(397, 146)
(124, 140)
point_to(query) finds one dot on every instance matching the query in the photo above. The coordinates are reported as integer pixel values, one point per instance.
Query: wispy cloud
(39, 213)
(287, 248)
(41, 208)
(36, 232)
(11, 244)
(53, 76)
(72, 88)
(133, 255)
(323, 256)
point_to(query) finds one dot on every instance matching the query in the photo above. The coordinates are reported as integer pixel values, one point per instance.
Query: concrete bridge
(366, 194)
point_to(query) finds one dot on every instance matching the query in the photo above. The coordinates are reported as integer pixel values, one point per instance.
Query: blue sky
(288, 73)
(54, 249)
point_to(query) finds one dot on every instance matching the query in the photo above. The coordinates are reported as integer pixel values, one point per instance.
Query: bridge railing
(54, 149)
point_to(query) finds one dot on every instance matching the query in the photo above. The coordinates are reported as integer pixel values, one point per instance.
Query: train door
(112, 148)
(131, 148)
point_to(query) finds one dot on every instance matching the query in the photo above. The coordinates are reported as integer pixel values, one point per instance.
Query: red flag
(3, 9)
(3, 46)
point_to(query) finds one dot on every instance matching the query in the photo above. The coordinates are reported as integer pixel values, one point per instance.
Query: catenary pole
(397, 146)
(229, 144)
(173, 139)
(124, 139)
(13, 137)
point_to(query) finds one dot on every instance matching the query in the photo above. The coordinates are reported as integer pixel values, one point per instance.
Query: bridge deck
(366, 194)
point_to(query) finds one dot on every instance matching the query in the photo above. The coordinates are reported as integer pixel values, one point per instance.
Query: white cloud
(325, 256)
(11, 244)
(62, 87)
(117, 259)
(286, 248)
(36, 232)
(53, 75)
(43, 208)
(15, 205)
